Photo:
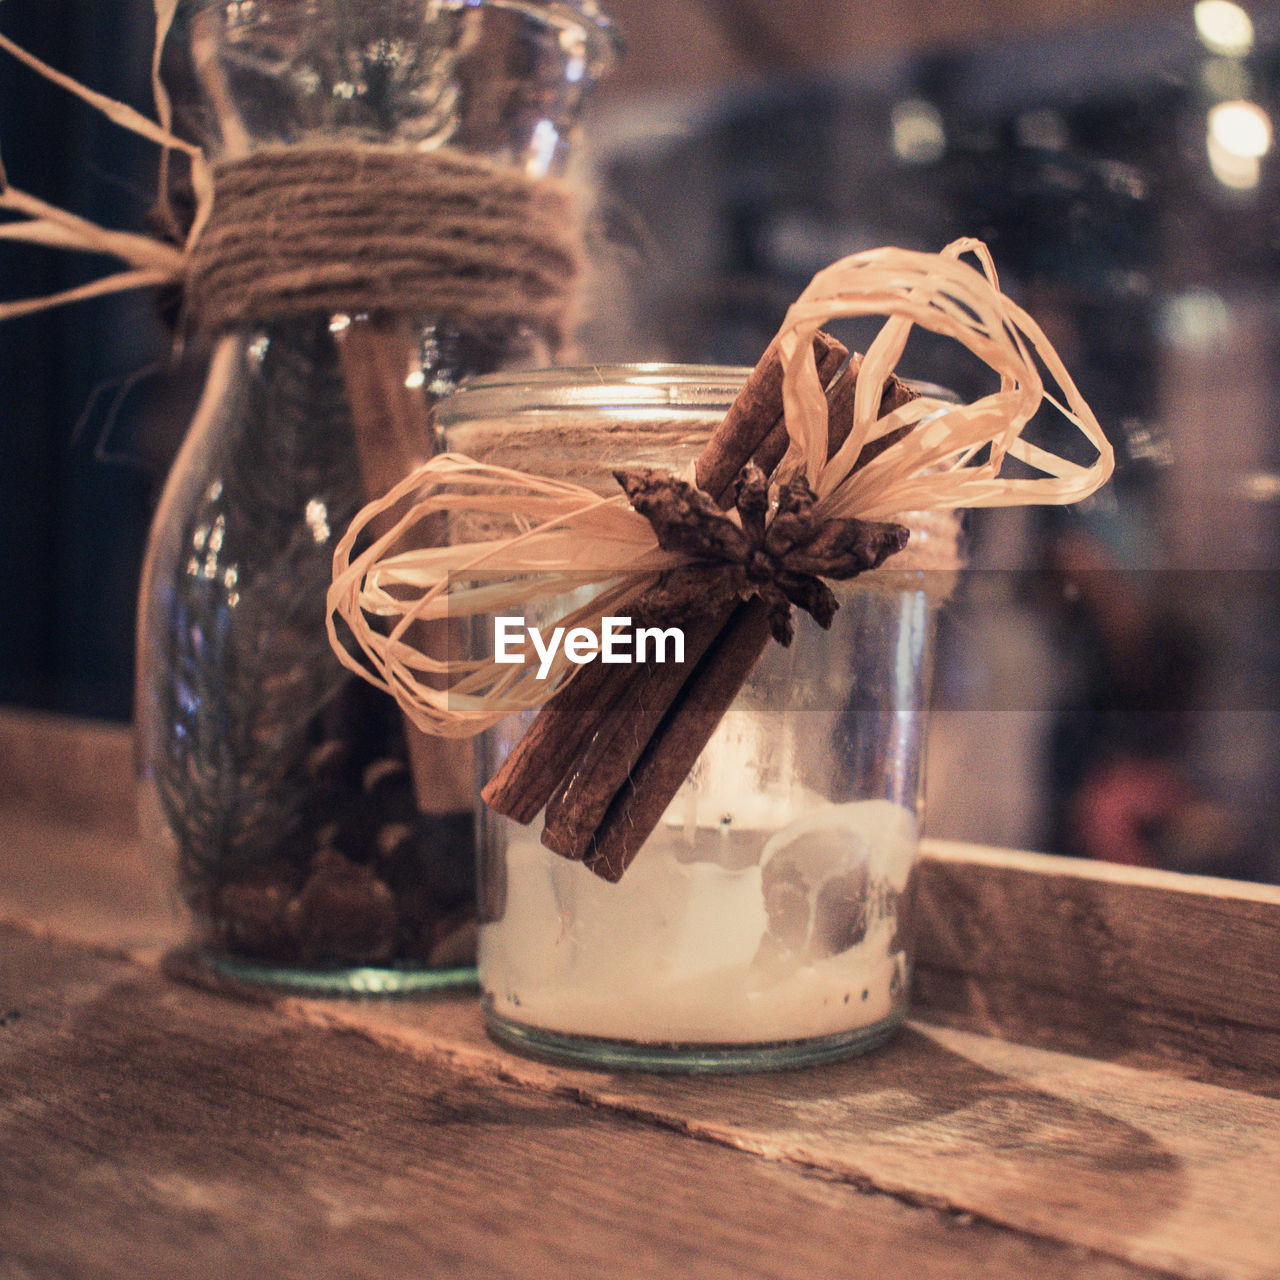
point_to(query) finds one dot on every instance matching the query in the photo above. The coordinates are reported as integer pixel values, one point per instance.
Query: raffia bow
(939, 456)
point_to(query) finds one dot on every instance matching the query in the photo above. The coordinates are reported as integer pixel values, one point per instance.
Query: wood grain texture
(1067, 955)
(152, 1129)
(1135, 1164)
(1100, 959)
(1164, 1158)
(86, 884)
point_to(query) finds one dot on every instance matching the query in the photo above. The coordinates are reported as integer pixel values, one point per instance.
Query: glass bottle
(766, 921)
(318, 845)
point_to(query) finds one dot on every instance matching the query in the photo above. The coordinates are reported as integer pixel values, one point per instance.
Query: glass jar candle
(765, 922)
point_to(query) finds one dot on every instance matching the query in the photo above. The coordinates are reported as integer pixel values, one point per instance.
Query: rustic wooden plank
(1106, 959)
(1081, 957)
(1139, 1165)
(1198, 1049)
(1066, 955)
(152, 1129)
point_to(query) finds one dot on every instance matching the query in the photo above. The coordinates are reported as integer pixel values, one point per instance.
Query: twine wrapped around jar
(287, 231)
(330, 229)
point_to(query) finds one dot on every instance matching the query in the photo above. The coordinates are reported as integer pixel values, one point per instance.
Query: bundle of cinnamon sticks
(608, 753)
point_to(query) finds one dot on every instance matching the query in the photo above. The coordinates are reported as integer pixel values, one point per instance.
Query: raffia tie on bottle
(324, 228)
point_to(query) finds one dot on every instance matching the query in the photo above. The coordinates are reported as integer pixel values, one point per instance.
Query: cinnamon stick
(553, 741)
(896, 393)
(755, 416)
(580, 802)
(393, 429)
(840, 397)
(657, 768)
(393, 434)
(565, 725)
(679, 739)
(839, 414)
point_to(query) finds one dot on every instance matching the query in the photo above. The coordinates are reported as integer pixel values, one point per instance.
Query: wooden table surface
(150, 1127)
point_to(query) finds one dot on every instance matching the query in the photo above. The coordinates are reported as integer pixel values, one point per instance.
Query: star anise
(781, 557)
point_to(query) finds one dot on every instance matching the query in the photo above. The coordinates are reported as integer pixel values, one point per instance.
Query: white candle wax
(684, 950)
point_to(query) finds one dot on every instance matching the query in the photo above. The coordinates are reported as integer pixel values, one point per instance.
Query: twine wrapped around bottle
(375, 236)
(563, 536)
(326, 228)
(329, 229)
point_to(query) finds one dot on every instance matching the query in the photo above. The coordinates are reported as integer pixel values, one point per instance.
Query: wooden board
(1100, 959)
(1175, 970)
(86, 884)
(152, 1129)
(1163, 1157)
(1133, 1164)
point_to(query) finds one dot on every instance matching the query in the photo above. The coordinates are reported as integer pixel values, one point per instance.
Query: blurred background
(1109, 675)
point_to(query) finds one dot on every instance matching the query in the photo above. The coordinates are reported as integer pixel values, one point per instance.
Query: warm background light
(1239, 135)
(1224, 27)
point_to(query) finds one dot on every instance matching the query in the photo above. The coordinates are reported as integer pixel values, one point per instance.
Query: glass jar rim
(655, 385)
(586, 12)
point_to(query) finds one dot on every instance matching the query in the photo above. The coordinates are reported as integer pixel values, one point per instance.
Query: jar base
(340, 980)
(610, 1055)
